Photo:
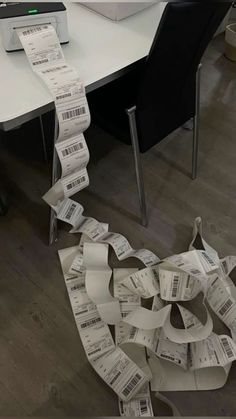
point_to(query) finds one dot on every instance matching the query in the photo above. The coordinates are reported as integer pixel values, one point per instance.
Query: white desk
(99, 49)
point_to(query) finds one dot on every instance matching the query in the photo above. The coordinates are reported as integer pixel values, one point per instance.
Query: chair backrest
(166, 95)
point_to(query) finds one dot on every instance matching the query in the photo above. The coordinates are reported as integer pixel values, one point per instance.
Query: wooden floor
(43, 369)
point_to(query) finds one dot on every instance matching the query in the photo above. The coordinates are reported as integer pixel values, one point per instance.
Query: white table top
(99, 48)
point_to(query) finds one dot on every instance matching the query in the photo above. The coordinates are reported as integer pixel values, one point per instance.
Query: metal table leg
(55, 177)
(43, 139)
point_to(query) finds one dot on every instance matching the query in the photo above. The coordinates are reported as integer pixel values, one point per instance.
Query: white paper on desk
(63, 82)
(41, 45)
(73, 154)
(97, 280)
(70, 99)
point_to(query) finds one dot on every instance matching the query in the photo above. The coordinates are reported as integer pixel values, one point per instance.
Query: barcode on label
(171, 358)
(209, 260)
(227, 348)
(131, 385)
(143, 406)
(75, 183)
(133, 282)
(45, 60)
(226, 307)
(52, 70)
(120, 254)
(63, 96)
(175, 286)
(33, 30)
(78, 287)
(217, 358)
(70, 211)
(72, 149)
(91, 322)
(81, 312)
(94, 352)
(115, 378)
(74, 112)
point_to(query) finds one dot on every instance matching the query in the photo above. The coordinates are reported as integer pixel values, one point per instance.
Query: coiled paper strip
(147, 347)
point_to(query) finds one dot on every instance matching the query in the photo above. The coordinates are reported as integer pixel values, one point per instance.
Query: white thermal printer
(18, 15)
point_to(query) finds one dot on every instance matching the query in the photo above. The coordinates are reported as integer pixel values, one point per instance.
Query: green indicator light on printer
(33, 11)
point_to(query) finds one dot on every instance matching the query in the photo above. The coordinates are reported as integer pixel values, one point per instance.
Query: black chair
(162, 94)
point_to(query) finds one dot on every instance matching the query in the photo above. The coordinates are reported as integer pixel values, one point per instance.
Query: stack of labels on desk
(148, 348)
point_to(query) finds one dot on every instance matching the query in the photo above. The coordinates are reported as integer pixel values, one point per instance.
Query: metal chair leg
(196, 124)
(138, 165)
(55, 177)
(45, 153)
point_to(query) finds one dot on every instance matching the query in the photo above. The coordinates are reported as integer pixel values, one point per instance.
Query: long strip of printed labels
(214, 353)
(47, 60)
(141, 404)
(71, 212)
(110, 362)
(222, 302)
(181, 277)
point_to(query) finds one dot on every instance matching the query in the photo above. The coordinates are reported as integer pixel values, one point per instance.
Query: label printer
(18, 15)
